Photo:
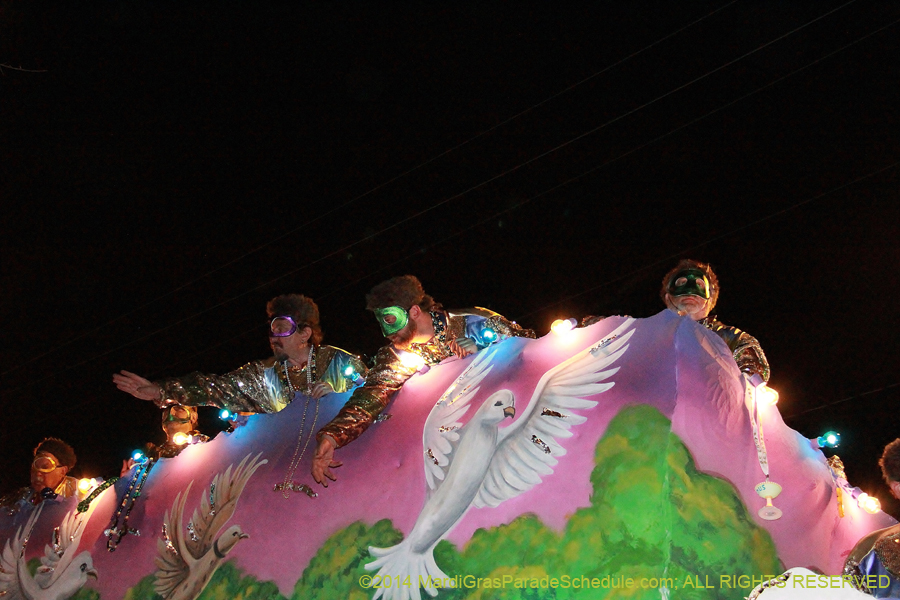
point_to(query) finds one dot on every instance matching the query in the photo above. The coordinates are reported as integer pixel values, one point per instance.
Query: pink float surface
(672, 364)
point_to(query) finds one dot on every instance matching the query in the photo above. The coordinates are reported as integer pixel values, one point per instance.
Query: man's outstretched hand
(323, 461)
(136, 385)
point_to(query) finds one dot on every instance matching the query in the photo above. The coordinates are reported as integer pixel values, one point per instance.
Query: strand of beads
(86, 503)
(116, 532)
(288, 485)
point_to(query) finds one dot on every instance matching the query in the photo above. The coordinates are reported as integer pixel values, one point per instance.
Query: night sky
(167, 167)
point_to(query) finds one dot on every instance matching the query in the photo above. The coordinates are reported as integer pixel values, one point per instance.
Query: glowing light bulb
(868, 503)
(224, 414)
(181, 438)
(411, 361)
(560, 326)
(348, 372)
(137, 456)
(765, 395)
(85, 485)
(489, 334)
(830, 439)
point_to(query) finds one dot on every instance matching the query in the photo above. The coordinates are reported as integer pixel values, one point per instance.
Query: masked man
(691, 289)
(176, 419)
(53, 459)
(876, 557)
(300, 365)
(418, 329)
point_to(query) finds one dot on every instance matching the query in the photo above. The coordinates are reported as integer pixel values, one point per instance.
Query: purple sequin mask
(282, 326)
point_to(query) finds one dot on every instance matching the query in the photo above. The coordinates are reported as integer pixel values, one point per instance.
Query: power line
(857, 396)
(545, 192)
(363, 195)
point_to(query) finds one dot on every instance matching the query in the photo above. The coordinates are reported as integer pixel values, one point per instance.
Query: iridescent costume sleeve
(386, 377)
(344, 371)
(261, 386)
(247, 389)
(747, 352)
(389, 373)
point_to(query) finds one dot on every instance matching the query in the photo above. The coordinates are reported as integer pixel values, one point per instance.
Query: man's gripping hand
(323, 461)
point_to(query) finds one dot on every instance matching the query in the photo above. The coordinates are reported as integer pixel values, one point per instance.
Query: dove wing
(59, 553)
(15, 581)
(172, 553)
(528, 448)
(218, 504)
(440, 435)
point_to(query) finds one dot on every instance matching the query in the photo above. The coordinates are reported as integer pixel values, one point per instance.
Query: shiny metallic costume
(260, 386)
(876, 557)
(12, 502)
(389, 373)
(747, 352)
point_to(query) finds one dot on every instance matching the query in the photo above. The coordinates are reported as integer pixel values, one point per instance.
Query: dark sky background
(171, 166)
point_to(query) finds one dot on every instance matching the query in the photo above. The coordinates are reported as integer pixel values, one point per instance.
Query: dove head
(75, 576)
(229, 538)
(497, 407)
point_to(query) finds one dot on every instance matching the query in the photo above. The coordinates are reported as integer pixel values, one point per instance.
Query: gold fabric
(12, 502)
(389, 373)
(260, 386)
(747, 352)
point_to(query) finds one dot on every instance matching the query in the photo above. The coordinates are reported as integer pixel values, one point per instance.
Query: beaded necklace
(86, 503)
(116, 532)
(288, 485)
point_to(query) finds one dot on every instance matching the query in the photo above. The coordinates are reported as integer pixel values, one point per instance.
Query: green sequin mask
(690, 282)
(401, 318)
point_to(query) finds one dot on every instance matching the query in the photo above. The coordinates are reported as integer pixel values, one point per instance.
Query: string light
(489, 335)
(350, 373)
(138, 456)
(225, 414)
(829, 439)
(765, 395)
(868, 503)
(86, 485)
(181, 439)
(561, 326)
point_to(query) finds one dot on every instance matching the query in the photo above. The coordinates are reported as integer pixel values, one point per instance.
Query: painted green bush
(652, 517)
(227, 583)
(334, 571)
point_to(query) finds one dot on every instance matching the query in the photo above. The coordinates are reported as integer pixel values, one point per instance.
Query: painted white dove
(479, 464)
(188, 556)
(61, 573)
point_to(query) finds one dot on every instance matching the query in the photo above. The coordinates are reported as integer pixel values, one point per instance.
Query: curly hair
(300, 308)
(405, 291)
(687, 263)
(59, 449)
(890, 462)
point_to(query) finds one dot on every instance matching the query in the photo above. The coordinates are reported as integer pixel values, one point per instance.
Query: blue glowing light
(350, 373)
(224, 414)
(137, 456)
(830, 439)
(489, 334)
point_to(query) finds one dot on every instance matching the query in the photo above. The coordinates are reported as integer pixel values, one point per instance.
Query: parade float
(627, 459)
